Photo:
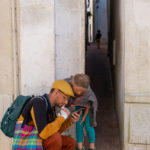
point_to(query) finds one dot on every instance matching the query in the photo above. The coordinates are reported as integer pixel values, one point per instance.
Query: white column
(70, 40)
(137, 75)
(70, 37)
(37, 48)
(6, 65)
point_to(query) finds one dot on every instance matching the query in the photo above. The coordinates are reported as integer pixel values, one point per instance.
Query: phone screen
(78, 111)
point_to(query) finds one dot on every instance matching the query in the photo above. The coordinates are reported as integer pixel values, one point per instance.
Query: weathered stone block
(137, 53)
(37, 46)
(139, 126)
(5, 102)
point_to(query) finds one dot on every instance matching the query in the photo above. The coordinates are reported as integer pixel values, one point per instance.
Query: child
(85, 99)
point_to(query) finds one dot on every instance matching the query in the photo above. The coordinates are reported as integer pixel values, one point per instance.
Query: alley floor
(98, 68)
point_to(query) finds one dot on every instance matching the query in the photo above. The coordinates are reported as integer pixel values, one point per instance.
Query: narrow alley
(98, 68)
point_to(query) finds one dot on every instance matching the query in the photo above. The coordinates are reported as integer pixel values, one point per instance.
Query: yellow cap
(63, 86)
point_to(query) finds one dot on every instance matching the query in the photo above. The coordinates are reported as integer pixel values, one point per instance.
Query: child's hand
(85, 114)
(83, 119)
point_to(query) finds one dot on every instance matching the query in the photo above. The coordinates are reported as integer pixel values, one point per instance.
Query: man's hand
(64, 112)
(75, 117)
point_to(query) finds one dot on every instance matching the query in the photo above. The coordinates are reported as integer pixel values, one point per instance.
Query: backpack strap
(26, 117)
(42, 97)
(48, 109)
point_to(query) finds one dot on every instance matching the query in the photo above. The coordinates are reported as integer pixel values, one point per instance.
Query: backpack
(12, 114)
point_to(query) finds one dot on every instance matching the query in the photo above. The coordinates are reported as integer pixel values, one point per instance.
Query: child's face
(78, 91)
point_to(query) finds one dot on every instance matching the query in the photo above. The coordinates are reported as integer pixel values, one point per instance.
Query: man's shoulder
(39, 99)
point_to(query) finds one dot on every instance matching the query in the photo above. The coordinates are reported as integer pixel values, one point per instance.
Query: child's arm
(85, 114)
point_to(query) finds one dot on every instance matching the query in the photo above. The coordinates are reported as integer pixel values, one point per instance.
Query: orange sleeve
(65, 125)
(50, 128)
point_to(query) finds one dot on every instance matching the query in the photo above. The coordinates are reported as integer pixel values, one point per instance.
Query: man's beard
(60, 105)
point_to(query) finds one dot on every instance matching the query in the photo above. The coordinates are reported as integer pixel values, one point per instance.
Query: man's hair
(52, 90)
(81, 80)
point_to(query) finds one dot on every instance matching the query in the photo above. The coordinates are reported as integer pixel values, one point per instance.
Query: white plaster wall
(5, 101)
(6, 59)
(6, 65)
(70, 37)
(136, 127)
(70, 40)
(137, 75)
(138, 49)
(132, 67)
(119, 64)
(90, 9)
(37, 48)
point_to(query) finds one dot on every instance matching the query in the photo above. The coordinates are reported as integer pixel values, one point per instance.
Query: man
(43, 116)
(87, 101)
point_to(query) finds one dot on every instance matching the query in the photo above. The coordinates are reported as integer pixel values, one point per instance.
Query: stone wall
(132, 72)
(70, 40)
(118, 62)
(6, 65)
(70, 37)
(37, 46)
(137, 75)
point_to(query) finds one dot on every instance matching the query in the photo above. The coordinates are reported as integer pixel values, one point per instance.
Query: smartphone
(78, 111)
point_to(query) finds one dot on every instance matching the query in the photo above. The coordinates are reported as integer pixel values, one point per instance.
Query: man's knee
(54, 141)
(68, 142)
(57, 138)
(73, 143)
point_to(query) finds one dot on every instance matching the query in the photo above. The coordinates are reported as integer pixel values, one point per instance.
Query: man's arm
(50, 128)
(39, 117)
(72, 119)
(65, 125)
